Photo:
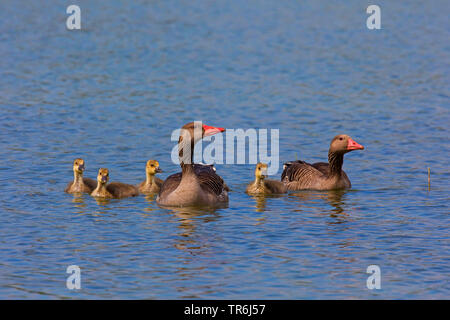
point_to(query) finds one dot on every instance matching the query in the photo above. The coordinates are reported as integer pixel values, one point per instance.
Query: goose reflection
(188, 220)
(336, 198)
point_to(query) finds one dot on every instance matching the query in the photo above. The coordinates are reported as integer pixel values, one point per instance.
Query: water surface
(113, 93)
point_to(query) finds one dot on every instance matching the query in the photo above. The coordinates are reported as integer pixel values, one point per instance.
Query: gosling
(116, 190)
(152, 184)
(263, 186)
(80, 184)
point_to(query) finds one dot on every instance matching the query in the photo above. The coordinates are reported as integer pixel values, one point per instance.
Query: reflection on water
(102, 201)
(261, 200)
(336, 198)
(113, 96)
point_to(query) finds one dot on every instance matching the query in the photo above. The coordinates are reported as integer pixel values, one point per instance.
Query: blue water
(113, 93)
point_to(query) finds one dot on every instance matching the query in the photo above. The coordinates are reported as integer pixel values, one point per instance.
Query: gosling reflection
(261, 200)
(102, 201)
(78, 200)
(150, 198)
(334, 197)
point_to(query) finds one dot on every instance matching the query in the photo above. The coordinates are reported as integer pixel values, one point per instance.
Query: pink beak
(209, 130)
(353, 145)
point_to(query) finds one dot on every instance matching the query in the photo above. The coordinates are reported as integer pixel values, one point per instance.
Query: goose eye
(341, 138)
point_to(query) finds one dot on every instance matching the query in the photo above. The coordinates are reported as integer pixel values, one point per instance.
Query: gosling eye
(341, 138)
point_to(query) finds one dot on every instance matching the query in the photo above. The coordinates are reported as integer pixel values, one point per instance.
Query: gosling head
(103, 176)
(261, 170)
(78, 166)
(342, 143)
(152, 167)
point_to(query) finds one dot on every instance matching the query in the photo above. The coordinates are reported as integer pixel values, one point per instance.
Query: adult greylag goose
(300, 175)
(196, 184)
(80, 184)
(115, 190)
(261, 185)
(152, 184)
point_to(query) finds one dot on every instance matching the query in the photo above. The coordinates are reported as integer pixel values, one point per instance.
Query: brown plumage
(261, 185)
(196, 184)
(300, 175)
(115, 190)
(80, 184)
(152, 184)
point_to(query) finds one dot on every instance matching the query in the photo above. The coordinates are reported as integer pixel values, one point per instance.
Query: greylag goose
(196, 184)
(152, 184)
(80, 184)
(299, 175)
(262, 185)
(115, 190)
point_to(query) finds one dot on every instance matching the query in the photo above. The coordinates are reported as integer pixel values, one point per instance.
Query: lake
(114, 91)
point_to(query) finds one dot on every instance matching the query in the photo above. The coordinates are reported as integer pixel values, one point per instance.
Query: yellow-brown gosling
(80, 184)
(152, 184)
(263, 186)
(115, 190)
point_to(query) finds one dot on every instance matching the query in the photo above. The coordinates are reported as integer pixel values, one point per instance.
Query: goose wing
(209, 180)
(300, 174)
(207, 177)
(323, 167)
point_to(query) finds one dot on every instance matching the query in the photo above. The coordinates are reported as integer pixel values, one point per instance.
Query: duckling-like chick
(80, 184)
(152, 184)
(262, 185)
(114, 189)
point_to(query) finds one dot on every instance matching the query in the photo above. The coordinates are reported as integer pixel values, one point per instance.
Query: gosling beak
(353, 145)
(158, 170)
(81, 167)
(103, 179)
(209, 130)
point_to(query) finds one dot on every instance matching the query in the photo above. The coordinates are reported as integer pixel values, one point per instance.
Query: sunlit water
(113, 93)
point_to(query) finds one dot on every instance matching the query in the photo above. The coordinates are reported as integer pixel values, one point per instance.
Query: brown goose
(299, 175)
(262, 185)
(196, 184)
(152, 184)
(80, 184)
(114, 189)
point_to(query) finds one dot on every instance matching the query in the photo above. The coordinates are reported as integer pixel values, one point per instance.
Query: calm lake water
(113, 93)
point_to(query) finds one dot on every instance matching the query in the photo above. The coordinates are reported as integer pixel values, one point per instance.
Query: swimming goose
(196, 184)
(299, 175)
(80, 184)
(262, 185)
(114, 189)
(152, 184)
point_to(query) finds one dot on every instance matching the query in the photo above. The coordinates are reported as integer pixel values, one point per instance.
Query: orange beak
(209, 130)
(353, 145)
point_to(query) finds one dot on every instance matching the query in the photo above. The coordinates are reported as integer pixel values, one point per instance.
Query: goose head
(190, 134)
(343, 143)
